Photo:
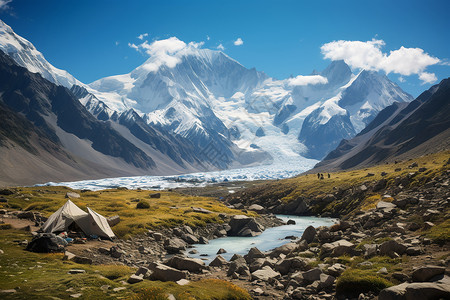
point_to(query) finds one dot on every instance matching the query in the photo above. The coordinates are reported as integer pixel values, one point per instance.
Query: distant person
(329, 175)
(318, 175)
(321, 176)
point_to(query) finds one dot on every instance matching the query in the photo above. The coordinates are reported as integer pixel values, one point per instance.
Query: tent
(91, 223)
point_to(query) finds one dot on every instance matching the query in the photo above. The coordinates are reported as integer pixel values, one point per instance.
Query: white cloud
(401, 79)
(166, 52)
(142, 36)
(117, 43)
(221, 47)
(238, 42)
(4, 4)
(368, 55)
(307, 80)
(208, 38)
(427, 77)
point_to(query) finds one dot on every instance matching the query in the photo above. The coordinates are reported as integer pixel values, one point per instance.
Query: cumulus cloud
(166, 52)
(427, 77)
(4, 4)
(220, 47)
(208, 38)
(307, 80)
(238, 42)
(368, 55)
(142, 36)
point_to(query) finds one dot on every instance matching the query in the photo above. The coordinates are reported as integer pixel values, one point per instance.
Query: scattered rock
(76, 271)
(68, 256)
(174, 245)
(82, 260)
(194, 265)
(182, 282)
(221, 251)
(219, 261)
(426, 273)
(422, 290)
(72, 195)
(309, 234)
(290, 222)
(265, 273)
(135, 278)
(256, 208)
(165, 273)
(312, 275)
(155, 195)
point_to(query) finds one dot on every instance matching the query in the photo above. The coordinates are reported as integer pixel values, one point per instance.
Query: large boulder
(253, 254)
(312, 275)
(239, 266)
(390, 247)
(309, 234)
(219, 261)
(338, 248)
(194, 265)
(418, 290)
(189, 238)
(165, 273)
(241, 225)
(284, 249)
(265, 273)
(285, 266)
(174, 245)
(426, 273)
(256, 208)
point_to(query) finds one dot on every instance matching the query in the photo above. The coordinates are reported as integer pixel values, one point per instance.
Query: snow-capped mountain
(26, 55)
(231, 116)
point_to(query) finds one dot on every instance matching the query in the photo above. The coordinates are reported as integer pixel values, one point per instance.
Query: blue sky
(90, 39)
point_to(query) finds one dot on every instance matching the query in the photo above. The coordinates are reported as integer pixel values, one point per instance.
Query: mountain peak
(337, 72)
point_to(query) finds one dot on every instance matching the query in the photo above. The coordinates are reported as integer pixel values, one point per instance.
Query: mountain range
(204, 112)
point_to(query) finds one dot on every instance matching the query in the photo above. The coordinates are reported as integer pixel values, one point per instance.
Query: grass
(45, 276)
(355, 281)
(171, 210)
(309, 187)
(440, 233)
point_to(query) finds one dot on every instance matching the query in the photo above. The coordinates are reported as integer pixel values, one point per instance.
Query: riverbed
(271, 238)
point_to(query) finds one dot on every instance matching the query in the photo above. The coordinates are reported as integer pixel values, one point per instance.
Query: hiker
(329, 175)
(321, 176)
(318, 175)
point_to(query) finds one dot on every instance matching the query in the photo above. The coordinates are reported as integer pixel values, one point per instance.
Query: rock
(265, 274)
(326, 281)
(72, 195)
(157, 236)
(370, 175)
(253, 254)
(82, 260)
(383, 173)
(258, 291)
(422, 170)
(414, 251)
(363, 188)
(105, 287)
(239, 266)
(182, 282)
(426, 273)
(68, 255)
(118, 289)
(165, 273)
(10, 291)
(336, 269)
(383, 205)
(339, 248)
(114, 220)
(383, 271)
(203, 240)
(400, 276)
(221, 251)
(193, 251)
(284, 249)
(194, 265)
(312, 275)
(257, 208)
(427, 225)
(76, 295)
(116, 252)
(189, 238)
(142, 271)
(104, 250)
(219, 261)
(155, 195)
(174, 245)
(135, 278)
(76, 271)
(201, 210)
(412, 291)
(309, 234)
(29, 215)
(370, 250)
(284, 266)
(290, 222)
(241, 225)
(389, 247)
(413, 165)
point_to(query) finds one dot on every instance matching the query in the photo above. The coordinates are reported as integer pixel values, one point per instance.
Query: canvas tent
(91, 223)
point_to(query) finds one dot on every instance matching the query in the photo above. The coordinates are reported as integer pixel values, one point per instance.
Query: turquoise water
(268, 240)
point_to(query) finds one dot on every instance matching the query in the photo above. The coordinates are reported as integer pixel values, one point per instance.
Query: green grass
(440, 233)
(43, 276)
(354, 282)
(171, 210)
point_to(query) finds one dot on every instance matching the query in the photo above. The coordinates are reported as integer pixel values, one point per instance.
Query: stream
(270, 239)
